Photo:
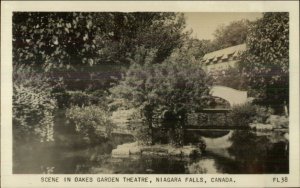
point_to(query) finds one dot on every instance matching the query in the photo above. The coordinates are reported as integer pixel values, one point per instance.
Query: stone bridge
(233, 96)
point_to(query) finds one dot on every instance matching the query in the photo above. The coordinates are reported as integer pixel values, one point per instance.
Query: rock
(134, 151)
(120, 152)
(154, 150)
(261, 126)
(190, 151)
(278, 121)
(272, 119)
(175, 152)
(283, 122)
(126, 150)
(149, 170)
(185, 151)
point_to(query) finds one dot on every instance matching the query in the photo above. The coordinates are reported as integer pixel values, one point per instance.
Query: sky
(204, 24)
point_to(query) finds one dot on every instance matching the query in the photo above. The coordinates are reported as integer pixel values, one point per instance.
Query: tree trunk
(286, 112)
(151, 131)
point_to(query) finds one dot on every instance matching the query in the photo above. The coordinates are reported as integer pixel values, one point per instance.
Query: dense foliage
(33, 106)
(176, 86)
(265, 63)
(87, 49)
(90, 120)
(243, 115)
(55, 38)
(166, 91)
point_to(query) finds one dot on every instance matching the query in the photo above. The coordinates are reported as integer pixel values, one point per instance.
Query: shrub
(262, 114)
(33, 105)
(90, 120)
(242, 115)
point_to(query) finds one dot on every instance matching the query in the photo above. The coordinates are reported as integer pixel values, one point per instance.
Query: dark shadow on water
(257, 155)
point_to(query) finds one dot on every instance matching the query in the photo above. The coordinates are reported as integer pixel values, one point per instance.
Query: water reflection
(260, 154)
(248, 152)
(204, 166)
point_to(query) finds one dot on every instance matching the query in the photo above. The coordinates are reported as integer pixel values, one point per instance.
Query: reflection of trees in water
(252, 154)
(204, 166)
(257, 154)
(31, 158)
(141, 165)
(94, 160)
(246, 146)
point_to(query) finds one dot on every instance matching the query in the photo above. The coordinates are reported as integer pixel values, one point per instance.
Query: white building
(222, 59)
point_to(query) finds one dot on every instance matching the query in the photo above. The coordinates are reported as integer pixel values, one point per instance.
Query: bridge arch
(233, 96)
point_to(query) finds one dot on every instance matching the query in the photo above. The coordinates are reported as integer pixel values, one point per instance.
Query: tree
(231, 77)
(53, 39)
(90, 38)
(233, 34)
(265, 63)
(168, 91)
(192, 50)
(138, 34)
(71, 45)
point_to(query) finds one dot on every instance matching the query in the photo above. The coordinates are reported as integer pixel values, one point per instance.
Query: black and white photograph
(150, 92)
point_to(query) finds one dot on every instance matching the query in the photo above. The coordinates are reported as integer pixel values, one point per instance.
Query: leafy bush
(242, 115)
(33, 105)
(90, 120)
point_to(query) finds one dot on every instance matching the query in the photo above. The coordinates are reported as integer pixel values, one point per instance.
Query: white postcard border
(10, 180)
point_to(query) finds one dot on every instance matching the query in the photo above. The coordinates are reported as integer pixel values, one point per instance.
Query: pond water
(247, 153)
